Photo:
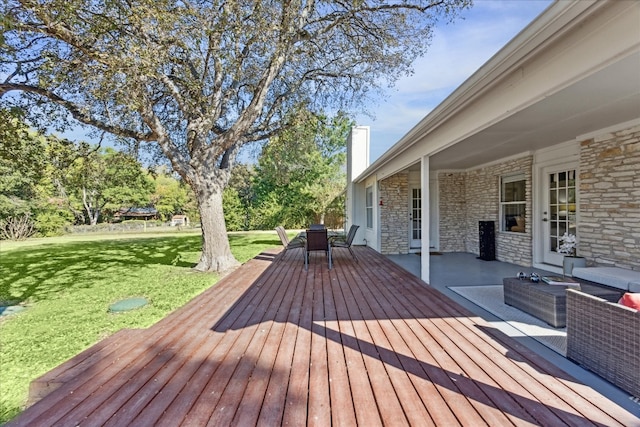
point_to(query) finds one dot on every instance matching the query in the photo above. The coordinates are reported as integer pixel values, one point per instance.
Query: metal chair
(317, 241)
(297, 242)
(338, 242)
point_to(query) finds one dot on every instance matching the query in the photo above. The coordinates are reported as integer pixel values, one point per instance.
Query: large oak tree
(203, 78)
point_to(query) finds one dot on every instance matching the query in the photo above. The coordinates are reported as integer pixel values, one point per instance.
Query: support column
(426, 219)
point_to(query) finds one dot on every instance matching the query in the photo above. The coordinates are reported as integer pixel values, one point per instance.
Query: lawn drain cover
(128, 304)
(11, 309)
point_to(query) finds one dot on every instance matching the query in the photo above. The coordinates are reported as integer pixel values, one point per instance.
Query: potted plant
(571, 259)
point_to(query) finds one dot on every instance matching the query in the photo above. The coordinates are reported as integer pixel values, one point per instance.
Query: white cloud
(456, 52)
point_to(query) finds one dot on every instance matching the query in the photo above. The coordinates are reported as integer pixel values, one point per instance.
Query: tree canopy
(21, 165)
(28, 203)
(302, 171)
(105, 179)
(201, 79)
(46, 181)
(171, 196)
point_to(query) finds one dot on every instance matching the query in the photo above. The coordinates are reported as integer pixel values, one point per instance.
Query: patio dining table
(330, 234)
(317, 243)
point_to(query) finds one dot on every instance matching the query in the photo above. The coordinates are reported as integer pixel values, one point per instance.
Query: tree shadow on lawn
(38, 272)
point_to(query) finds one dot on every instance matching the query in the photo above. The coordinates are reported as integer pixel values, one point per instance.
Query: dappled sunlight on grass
(67, 286)
(35, 273)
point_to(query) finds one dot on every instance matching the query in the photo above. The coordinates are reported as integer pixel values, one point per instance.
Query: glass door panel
(416, 218)
(560, 213)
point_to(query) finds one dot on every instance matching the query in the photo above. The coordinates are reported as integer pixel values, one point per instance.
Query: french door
(559, 210)
(415, 217)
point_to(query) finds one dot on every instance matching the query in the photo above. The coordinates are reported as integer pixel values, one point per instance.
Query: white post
(425, 237)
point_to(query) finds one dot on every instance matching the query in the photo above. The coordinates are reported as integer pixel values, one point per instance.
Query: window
(513, 203)
(369, 207)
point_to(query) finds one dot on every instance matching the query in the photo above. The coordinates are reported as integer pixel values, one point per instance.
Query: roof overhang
(572, 71)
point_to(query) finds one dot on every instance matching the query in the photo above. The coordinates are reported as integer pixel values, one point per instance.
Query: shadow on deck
(365, 343)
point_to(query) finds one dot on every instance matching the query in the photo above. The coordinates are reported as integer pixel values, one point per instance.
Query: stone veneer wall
(609, 224)
(472, 196)
(394, 214)
(453, 211)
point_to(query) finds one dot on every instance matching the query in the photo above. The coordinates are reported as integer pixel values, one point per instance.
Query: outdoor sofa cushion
(615, 277)
(630, 300)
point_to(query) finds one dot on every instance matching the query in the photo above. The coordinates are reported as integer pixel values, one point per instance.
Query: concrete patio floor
(465, 269)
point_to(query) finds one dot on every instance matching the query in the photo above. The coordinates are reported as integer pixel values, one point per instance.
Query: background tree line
(198, 81)
(299, 178)
(48, 184)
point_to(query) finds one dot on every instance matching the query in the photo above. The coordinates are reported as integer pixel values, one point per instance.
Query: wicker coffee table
(548, 302)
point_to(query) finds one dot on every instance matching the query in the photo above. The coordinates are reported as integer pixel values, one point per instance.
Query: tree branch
(76, 111)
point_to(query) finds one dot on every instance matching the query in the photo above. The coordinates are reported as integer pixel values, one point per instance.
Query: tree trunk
(93, 216)
(216, 252)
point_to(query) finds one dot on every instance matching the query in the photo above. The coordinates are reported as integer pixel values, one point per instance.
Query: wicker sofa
(604, 337)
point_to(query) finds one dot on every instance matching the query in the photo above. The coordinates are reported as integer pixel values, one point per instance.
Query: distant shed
(179, 220)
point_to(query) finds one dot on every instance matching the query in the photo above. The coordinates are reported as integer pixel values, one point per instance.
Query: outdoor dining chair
(317, 241)
(297, 242)
(337, 242)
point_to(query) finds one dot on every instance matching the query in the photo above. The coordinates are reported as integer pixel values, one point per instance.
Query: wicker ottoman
(547, 302)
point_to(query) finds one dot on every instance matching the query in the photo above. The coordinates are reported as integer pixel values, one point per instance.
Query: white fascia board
(556, 20)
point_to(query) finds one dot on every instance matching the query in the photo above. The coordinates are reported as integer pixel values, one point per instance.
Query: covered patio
(366, 343)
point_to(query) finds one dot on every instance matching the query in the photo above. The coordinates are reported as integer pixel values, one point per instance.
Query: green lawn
(67, 284)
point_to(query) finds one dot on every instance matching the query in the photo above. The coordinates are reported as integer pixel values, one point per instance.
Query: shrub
(52, 222)
(17, 227)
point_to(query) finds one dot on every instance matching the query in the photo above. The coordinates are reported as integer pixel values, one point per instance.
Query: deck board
(363, 400)
(467, 343)
(366, 331)
(455, 363)
(365, 343)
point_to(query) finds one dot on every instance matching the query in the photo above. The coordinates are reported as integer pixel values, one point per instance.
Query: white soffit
(606, 98)
(599, 99)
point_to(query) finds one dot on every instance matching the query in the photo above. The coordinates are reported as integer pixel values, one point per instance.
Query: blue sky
(457, 50)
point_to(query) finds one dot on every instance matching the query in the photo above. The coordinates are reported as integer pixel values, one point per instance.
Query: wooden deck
(272, 344)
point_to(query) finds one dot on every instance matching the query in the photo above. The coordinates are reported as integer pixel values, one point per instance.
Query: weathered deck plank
(363, 398)
(365, 343)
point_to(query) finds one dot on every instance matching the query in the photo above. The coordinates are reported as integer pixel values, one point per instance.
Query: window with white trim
(369, 206)
(513, 203)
